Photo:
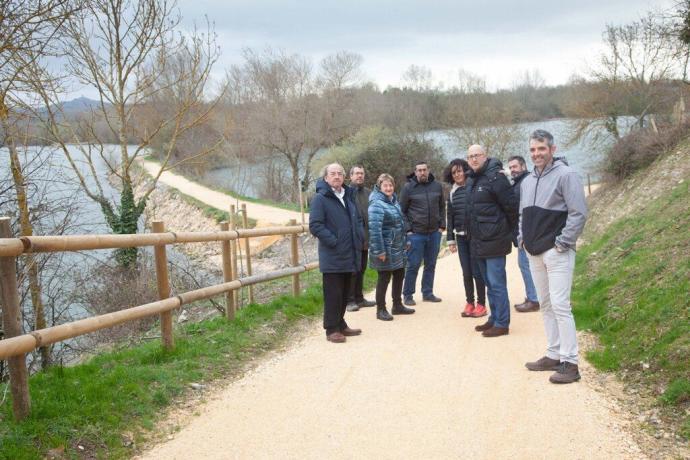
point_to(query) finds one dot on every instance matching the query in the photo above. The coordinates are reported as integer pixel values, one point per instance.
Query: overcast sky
(497, 39)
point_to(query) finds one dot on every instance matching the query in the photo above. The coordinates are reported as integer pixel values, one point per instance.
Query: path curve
(421, 386)
(267, 215)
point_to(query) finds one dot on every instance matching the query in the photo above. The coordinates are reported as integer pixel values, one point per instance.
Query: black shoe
(401, 310)
(431, 298)
(409, 301)
(351, 306)
(484, 327)
(366, 303)
(383, 315)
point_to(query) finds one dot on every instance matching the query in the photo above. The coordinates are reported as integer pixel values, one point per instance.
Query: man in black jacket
(424, 208)
(335, 221)
(356, 298)
(518, 170)
(492, 216)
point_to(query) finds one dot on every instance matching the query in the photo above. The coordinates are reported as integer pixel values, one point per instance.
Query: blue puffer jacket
(340, 230)
(386, 232)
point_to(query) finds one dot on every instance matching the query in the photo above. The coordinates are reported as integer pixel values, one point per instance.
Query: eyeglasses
(475, 156)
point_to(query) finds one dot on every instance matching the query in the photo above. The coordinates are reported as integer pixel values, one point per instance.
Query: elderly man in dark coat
(336, 222)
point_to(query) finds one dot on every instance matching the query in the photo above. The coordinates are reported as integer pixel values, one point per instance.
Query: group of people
(484, 216)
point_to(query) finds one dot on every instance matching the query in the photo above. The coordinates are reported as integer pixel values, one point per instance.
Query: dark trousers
(471, 274)
(336, 287)
(382, 285)
(356, 295)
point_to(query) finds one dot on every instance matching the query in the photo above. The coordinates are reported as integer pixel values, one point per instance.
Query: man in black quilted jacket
(492, 212)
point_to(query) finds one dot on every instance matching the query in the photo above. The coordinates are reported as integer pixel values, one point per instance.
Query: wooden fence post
(245, 222)
(295, 260)
(589, 184)
(227, 272)
(163, 287)
(12, 325)
(233, 253)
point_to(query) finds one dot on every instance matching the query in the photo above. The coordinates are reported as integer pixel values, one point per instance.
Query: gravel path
(264, 213)
(421, 386)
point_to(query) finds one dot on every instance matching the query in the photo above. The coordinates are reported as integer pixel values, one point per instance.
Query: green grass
(631, 289)
(211, 212)
(93, 404)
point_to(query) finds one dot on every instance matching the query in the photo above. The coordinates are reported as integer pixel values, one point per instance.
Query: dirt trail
(266, 215)
(421, 386)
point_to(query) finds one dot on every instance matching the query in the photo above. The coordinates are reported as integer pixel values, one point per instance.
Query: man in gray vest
(553, 212)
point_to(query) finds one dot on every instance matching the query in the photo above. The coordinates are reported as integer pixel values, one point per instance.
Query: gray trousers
(552, 273)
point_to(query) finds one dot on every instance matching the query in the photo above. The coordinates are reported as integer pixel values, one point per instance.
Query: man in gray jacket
(553, 212)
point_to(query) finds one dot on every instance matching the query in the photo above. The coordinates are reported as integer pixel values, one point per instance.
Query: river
(581, 156)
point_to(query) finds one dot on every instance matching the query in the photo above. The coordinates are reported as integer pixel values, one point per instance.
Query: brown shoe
(484, 327)
(566, 373)
(348, 332)
(336, 337)
(495, 332)
(543, 364)
(527, 306)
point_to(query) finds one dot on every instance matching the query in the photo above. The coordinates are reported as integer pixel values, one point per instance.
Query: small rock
(183, 317)
(127, 439)
(645, 366)
(667, 436)
(56, 453)
(80, 447)
(197, 386)
(170, 437)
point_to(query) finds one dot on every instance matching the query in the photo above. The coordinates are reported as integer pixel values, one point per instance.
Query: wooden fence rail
(16, 345)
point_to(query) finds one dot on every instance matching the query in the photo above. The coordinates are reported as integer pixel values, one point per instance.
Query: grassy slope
(632, 286)
(94, 404)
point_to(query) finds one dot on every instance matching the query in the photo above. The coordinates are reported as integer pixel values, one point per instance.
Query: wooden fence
(16, 345)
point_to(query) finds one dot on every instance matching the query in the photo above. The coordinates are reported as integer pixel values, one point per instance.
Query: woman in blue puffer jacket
(387, 246)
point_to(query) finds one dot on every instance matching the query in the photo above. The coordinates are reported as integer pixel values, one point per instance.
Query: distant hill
(80, 104)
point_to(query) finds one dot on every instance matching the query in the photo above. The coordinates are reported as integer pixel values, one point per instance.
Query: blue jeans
(494, 274)
(523, 263)
(423, 246)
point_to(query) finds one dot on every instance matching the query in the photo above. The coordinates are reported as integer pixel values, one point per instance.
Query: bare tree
(629, 79)
(474, 116)
(283, 106)
(28, 30)
(131, 53)
(418, 78)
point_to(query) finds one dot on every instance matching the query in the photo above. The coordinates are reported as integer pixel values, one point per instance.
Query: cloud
(498, 38)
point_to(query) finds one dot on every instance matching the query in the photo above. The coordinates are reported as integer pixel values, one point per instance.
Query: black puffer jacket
(423, 205)
(492, 211)
(456, 214)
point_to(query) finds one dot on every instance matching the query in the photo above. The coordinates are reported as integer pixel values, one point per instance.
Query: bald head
(476, 157)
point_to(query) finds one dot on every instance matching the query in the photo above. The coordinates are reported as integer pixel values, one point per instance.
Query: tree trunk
(26, 229)
(295, 192)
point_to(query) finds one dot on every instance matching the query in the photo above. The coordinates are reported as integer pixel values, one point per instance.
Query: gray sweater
(553, 209)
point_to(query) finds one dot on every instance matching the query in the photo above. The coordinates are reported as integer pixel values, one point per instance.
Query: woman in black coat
(458, 237)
